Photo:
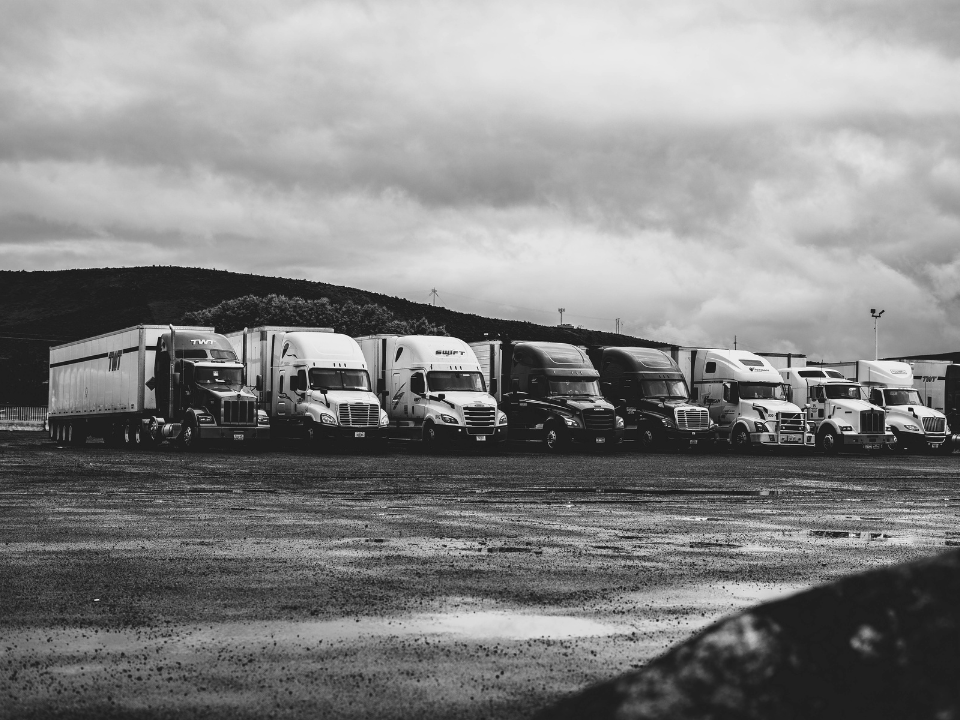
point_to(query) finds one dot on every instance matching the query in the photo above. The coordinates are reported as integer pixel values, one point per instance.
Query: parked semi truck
(745, 396)
(141, 385)
(938, 382)
(841, 417)
(651, 395)
(891, 386)
(550, 393)
(313, 384)
(433, 390)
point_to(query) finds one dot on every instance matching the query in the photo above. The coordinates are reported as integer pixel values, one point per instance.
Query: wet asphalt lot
(287, 584)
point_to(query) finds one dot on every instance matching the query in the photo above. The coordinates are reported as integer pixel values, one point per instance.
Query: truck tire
(553, 439)
(431, 443)
(740, 439)
(647, 440)
(78, 433)
(828, 442)
(189, 439)
(136, 435)
(313, 436)
(899, 446)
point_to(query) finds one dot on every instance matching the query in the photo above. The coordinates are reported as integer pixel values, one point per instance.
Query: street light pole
(876, 343)
(562, 311)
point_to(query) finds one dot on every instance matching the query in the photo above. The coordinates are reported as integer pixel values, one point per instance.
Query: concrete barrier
(880, 645)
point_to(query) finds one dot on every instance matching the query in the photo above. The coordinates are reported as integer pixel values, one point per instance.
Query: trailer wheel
(78, 433)
(137, 438)
(828, 442)
(740, 440)
(553, 439)
(189, 436)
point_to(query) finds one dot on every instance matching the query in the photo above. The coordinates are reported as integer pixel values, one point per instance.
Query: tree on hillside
(348, 318)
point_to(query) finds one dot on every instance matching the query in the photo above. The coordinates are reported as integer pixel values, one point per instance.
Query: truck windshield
(842, 392)
(664, 389)
(762, 391)
(902, 397)
(335, 379)
(449, 381)
(573, 386)
(219, 376)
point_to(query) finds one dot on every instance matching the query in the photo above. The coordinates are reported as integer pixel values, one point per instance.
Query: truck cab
(651, 395)
(313, 383)
(433, 390)
(550, 393)
(891, 387)
(208, 399)
(839, 411)
(747, 400)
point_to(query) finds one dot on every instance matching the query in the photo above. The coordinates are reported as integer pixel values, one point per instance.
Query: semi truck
(550, 394)
(433, 390)
(651, 395)
(745, 397)
(891, 386)
(839, 412)
(938, 382)
(142, 385)
(313, 384)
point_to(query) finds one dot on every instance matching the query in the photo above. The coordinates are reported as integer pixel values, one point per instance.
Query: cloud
(697, 169)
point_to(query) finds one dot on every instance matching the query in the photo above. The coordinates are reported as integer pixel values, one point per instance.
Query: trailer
(128, 388)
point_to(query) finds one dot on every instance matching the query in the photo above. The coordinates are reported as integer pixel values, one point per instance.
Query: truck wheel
(740, 440)
(647, 440)
(828, 442)
(431, 442)
(136, 435)
(898, 447)
(313, 436)
(189, 436)
(553, 439)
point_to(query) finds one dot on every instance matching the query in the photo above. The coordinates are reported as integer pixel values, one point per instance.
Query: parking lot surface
(291, 584)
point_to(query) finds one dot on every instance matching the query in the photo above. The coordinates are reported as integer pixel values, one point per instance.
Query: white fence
(15, 416)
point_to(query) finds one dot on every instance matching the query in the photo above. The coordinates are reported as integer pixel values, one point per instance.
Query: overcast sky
(770, 170)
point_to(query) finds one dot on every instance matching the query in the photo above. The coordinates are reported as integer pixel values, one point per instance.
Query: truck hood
(221, 393)
(852, 405)
(921, 411)
(771, 407)
(336, 397)
(578, 403)
(462, 399)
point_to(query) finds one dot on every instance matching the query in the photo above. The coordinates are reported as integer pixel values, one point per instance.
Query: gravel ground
(288, 584)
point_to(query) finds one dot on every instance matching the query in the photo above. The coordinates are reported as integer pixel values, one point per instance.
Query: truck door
(418, 404)
(284, 401)
(729, 406)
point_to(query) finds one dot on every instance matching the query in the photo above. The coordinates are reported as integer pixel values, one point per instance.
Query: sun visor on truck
(196, 345)
(589, 374)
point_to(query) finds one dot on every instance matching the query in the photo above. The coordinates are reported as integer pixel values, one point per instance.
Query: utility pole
(562, 311)
(618, 325)
(876, 343)
(734, 342)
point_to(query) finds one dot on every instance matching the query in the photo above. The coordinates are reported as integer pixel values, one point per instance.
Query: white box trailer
(313, 383)
(113, 386)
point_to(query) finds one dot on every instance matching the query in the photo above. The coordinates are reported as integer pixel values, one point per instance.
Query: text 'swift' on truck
(130, 389)
(433, 390)
(313, 383)
(550, 393)
(891, 387)
(650, 393)
(841, 417)
(745, 396)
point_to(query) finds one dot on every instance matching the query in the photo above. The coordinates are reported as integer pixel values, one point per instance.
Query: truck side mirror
(515, 385)
(176, 378)
(259, 382)
(381, 386)
(493, 386)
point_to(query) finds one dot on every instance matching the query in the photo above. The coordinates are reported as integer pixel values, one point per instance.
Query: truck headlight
(327, 419)
(262, 417)
(204, 419)
(501, 417)
(384, 418)
(570, 421)
(760, 426)
(811, 428)
(667, 422)
(911, 427)
(619, 423)
(846, 428)
(888, 428)
(449, 419)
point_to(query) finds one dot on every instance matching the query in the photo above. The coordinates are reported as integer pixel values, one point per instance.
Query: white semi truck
(891, 386)
(841, 415)
(313, 383)
(130, 389)
(745, 397)
(433, 390)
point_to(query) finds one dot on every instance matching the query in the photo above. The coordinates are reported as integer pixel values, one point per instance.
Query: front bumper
(866, 440)
(681, 437)
(470, 435)
(234, 434)
(785, 440)
(595, 437)
(345, 433)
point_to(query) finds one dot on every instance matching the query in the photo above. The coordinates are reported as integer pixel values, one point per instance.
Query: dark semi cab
(649, 392)
(550, 394)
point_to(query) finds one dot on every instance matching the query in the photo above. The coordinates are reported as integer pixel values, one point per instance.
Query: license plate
(935, 445)
(601, 439)
(360, 433)
(481, 438)
(693, 442)
(791, 438)
(238, 436)
(871, 447)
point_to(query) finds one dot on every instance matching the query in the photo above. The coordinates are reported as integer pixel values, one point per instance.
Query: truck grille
(480, 420)
(599, 419)
(693, 419)
(872, 421)
(792, 422)
(359, 414)
(239, 412)
(934, 425)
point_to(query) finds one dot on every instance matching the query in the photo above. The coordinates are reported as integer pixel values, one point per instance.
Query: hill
(43, 308)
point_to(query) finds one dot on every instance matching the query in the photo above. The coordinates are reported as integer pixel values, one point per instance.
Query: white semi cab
(891, 386)
(841, 415)
(433, 390)
(313, 383)
(745, 397)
